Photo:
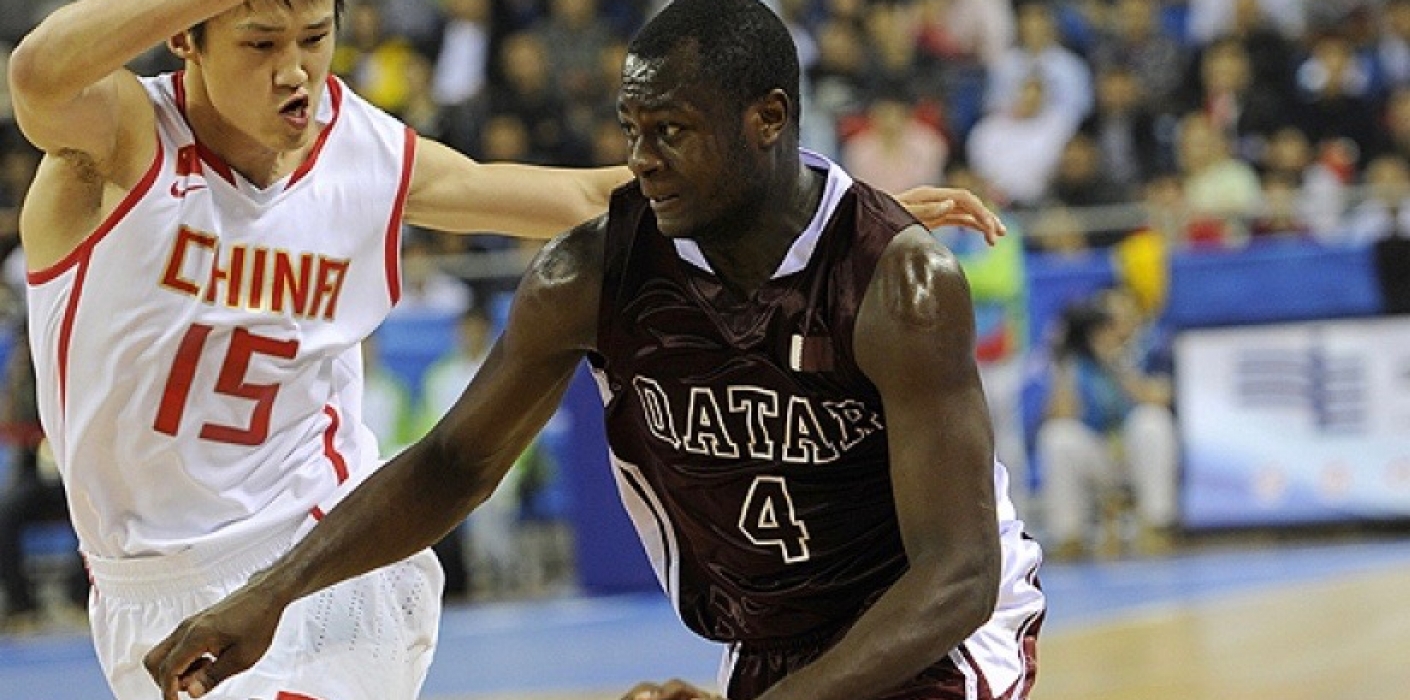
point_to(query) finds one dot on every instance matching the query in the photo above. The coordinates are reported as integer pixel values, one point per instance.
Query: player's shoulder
(919, 279)
(562, 285)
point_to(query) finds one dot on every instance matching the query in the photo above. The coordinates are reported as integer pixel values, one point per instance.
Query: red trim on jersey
(335, 93)
(66, 331)
(37, 277)
(316, 512)
(393, 242)
(178, 88)
(340, 465)
(286, 695)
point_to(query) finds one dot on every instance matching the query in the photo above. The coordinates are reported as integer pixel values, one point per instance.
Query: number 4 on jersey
(768, 519)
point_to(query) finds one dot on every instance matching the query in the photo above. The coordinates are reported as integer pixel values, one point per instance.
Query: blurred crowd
(1219, 122)
(1138, 128)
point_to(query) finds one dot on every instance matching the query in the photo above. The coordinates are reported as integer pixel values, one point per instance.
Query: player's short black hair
(198, 30)
(743, 47)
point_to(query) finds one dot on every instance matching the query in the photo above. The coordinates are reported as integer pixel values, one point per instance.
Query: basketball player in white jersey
(206, 250)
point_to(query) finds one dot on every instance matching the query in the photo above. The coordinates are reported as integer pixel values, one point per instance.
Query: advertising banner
(1295, 423)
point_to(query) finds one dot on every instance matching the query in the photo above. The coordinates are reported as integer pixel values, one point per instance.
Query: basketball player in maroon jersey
(793, 409)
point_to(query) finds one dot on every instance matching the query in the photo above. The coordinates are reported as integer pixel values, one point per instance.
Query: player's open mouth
(295, 112)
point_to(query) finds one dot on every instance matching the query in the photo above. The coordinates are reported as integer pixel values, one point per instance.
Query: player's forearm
(910, 628)
(562, 197)
(80, 44)
(408, 505)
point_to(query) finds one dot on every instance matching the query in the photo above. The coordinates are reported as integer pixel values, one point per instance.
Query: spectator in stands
(1334, 88)
(895, 150)
(837, 84)
(1080, 180)
(1066, 78)
(964, 39)
(1320, 192)
(420, 110)
(1164, 210)
(33, 494)
(1385, 210)
(969, 31)
(1137, 47)
(797, 15)
(1017, 149)
(574, 34)
(1244, 110)
(1393, 45)
(1059, 233)
(372, 60)
(1280, 215)
(529, 93)
(893, 50)
(1123, 127)
(1395, 121)
(417, 21)
(1211, 19)
(1107, 444)
(1222, 192)
(463, 58)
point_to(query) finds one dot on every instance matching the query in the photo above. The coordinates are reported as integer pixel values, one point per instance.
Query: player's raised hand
(949, 206)
(213, 645)
(674, 689)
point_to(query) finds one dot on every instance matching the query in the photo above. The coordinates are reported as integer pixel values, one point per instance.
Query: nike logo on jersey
(180, 192)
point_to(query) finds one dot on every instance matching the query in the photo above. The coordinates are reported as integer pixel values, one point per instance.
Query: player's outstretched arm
(431, 486)
(915, 341)
(67, 80)
(451, 192)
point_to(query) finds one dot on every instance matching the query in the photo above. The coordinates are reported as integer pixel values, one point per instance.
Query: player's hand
(670, 690)
(949, 206)
(214, 645)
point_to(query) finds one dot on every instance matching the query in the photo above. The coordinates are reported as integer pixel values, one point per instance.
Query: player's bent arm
(451, 192)
(67, 81)
(914, 339)
(427, 489)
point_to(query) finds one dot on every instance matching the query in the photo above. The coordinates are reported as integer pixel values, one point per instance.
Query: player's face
(685, 145)
(263, 67)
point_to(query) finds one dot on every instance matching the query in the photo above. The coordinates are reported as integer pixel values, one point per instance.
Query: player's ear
(182, 46)
(768, 117)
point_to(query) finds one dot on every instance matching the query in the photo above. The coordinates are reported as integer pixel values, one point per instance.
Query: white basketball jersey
(197, 355)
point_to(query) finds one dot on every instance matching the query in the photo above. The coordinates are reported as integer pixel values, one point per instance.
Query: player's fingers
(932, 213)
(193, 681)
(967, 201)
(211, 669)
(165, 661)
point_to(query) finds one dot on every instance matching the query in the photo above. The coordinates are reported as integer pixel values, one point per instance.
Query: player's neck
(752, 246)
(257, 162)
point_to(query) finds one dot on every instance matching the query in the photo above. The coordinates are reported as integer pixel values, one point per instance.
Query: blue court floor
(600, 647)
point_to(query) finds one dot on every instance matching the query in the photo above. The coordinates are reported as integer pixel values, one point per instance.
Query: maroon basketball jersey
(749, 448)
